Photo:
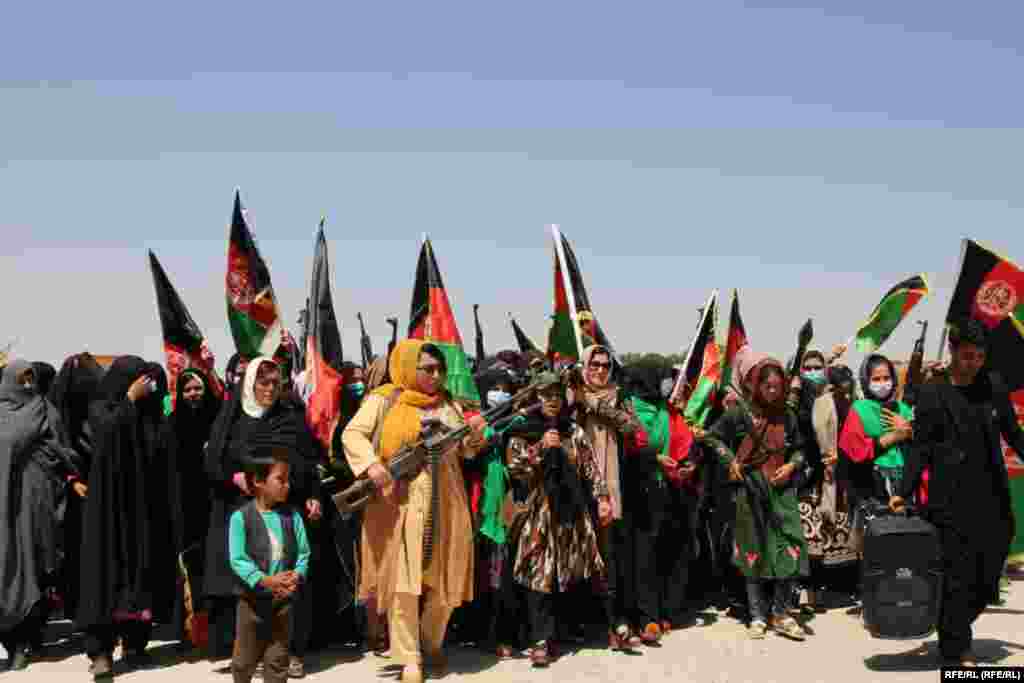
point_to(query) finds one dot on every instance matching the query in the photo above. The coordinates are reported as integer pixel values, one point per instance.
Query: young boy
(269, 556)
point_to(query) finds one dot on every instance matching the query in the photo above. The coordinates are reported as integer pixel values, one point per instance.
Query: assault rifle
(803, 341)
(435, 438)
(365, 345)
(915, 371)
(394, 335)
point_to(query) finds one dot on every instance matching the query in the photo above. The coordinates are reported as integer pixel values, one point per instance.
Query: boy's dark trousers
(263, 630)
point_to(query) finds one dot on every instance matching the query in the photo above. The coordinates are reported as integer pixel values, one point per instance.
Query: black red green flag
(574, 325)
(431, 319)
(991, 289)
(252, 306)
(735, 339)
(323, 351)
(183, 339)
(890, 312)
(702, 369)
(524, 342)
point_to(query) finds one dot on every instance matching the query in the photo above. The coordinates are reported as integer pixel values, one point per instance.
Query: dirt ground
(716, 652)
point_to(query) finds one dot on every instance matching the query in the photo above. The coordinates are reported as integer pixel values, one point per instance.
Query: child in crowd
(269, 556)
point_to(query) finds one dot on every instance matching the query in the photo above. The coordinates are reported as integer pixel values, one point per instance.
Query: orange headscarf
(402, 422)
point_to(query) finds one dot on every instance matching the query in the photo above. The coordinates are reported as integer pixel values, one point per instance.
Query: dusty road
(718, 652)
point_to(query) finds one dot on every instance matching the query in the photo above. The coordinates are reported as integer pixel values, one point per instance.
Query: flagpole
(942, 343)
(570, 293)
(681, 379)
(945, 323)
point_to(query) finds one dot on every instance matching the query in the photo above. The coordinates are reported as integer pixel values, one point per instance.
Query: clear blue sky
(811, 155)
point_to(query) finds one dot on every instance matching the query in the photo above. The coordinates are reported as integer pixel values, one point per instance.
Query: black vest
(257, 545)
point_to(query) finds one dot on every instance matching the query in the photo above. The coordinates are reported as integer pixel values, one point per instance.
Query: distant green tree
(652, 359)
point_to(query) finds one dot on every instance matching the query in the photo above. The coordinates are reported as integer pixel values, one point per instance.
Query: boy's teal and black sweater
(262, 544)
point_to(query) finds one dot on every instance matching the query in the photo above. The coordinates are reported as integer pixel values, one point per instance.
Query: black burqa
(45, 374)
(71, 391)
(33, 470)
(131, 530)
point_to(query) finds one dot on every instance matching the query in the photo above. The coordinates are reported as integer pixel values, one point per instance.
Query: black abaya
(131, 534)
(185, 435)
(71, 392)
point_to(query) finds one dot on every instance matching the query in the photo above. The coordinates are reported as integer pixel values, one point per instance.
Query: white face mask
(667, 385)
(880, 390)
(496, 397)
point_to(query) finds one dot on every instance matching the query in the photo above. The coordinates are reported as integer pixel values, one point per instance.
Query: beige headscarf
(746, 360)
(603, 435)
(249, 404)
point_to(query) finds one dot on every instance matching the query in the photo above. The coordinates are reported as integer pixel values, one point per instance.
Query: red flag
(323, 352)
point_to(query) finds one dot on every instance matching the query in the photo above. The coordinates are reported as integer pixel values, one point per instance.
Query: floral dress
(550, 556)
(769, 538)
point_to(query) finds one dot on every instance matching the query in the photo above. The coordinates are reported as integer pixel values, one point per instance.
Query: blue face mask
(496, 397)
(357, 389)
(815, 376)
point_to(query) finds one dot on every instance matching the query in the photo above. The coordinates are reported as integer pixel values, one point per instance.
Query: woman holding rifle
(759, 441)
(556, 544)
(406, 552)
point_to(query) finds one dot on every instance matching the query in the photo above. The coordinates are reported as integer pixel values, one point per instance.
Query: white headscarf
(249, 404)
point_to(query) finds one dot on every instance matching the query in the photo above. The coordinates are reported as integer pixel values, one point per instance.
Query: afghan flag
(431, 320)
(323, 351)
(182, 337)
(524, 342)
(702, 369)
(573, 325)
(890, 312)
(990, 289)
(252, 307)
(735, 340)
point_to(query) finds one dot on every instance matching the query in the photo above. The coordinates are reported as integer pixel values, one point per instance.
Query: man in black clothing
(957, 429)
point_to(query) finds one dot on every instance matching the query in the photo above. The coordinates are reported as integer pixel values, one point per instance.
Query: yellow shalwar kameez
(394, 523)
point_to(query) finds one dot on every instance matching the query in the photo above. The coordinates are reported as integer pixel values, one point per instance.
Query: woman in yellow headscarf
(395, 568)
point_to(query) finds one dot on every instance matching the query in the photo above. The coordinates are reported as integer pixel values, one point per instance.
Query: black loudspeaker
(902, 576)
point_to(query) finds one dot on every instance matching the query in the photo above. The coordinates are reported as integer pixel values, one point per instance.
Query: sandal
(651, 634)
(539, 655)
(788, 627)
(757, 630)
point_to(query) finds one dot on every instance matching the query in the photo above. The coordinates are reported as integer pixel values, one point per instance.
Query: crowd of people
(594, 504)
